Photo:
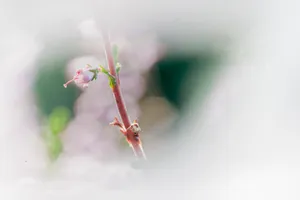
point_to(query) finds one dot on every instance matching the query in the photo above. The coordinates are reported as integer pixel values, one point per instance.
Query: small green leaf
(115, 52)
(112, 82)
(59, 119)
(95, 71)
(54, 145)
(112, 79)
(118, 68)
(103, 70)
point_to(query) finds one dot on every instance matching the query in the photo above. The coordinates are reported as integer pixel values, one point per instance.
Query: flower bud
(83, 77)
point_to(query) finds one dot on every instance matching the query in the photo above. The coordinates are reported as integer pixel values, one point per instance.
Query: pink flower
(83, 77)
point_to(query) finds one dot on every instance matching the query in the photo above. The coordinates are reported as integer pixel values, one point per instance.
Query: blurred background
(214, 85)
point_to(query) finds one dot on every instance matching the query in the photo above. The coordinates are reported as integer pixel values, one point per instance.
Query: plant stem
(135, 144)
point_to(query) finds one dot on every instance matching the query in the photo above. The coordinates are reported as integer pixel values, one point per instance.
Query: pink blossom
(82, 77)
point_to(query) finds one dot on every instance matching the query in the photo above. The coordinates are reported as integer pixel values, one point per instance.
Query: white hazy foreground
(244, 144)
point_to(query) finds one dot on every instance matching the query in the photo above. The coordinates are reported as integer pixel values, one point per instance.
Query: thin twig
(130, 130)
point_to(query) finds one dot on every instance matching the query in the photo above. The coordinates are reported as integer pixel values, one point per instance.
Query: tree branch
(130, 130)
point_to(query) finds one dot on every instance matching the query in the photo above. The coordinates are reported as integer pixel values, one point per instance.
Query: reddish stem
(136, 144)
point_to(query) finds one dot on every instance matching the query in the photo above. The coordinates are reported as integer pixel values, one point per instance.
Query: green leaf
(59, 119)
(103, 70)
(112, 82)
(112, 79)
(57, 122)
(115, 51)
(95, 71)
(118, 68)
(54, 145)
